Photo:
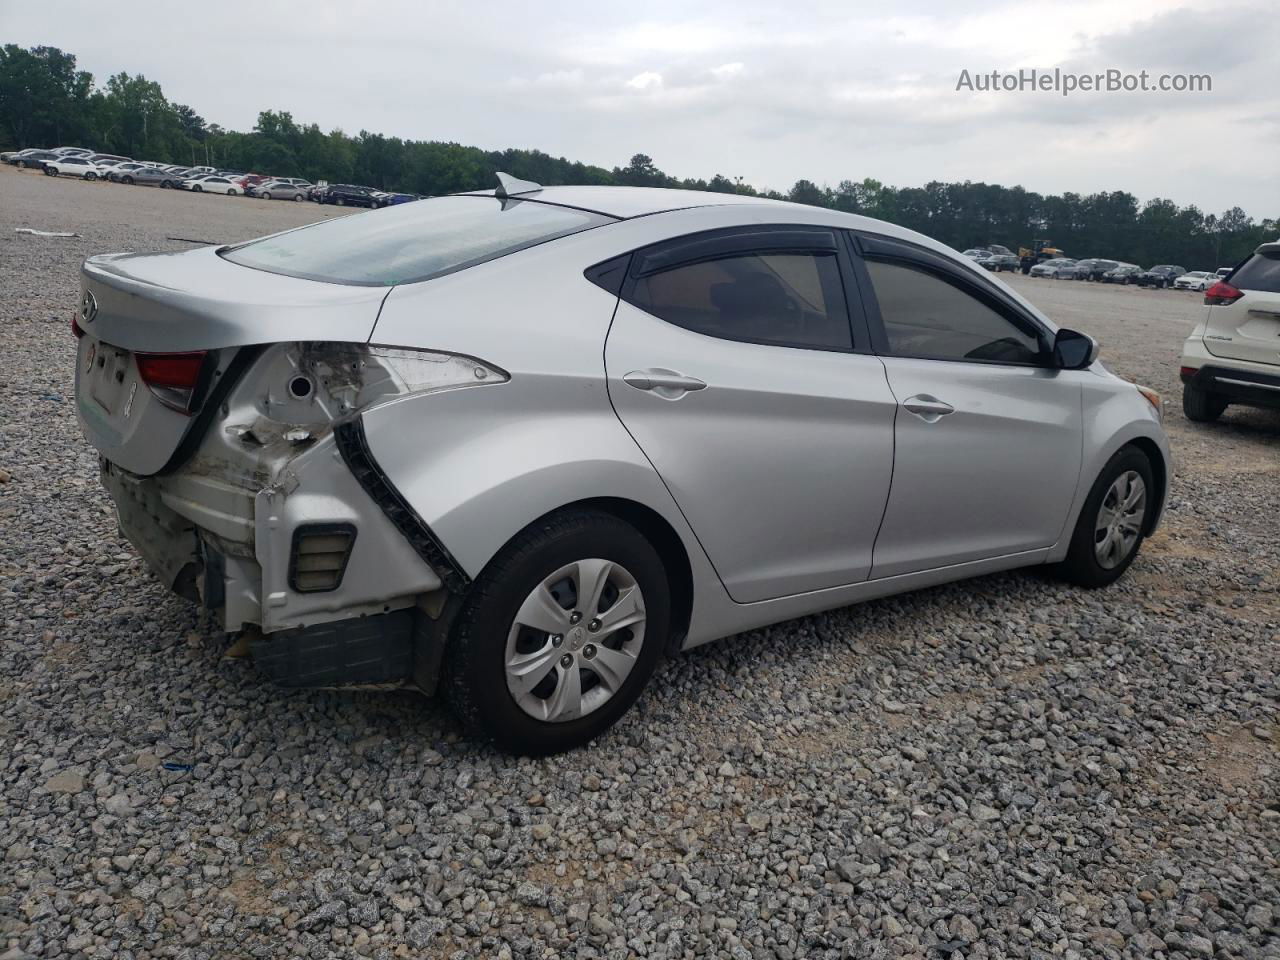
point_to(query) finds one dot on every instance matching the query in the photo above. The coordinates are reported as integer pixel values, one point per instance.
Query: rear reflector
(319, 556)
(1186, 373)
(75, 326)
(1222, 294)
(172, 377)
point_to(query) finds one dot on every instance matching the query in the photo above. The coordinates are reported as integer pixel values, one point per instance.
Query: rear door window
(411, 242)
(789, 299)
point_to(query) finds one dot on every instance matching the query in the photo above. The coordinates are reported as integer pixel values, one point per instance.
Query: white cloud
(645, 81)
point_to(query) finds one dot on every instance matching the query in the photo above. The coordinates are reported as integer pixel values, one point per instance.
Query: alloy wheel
(1119, 522)
(575, 640)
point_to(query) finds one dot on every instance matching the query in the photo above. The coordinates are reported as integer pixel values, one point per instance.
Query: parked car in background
(976, 253)
(349, 195)
(365, 493)
(72, 152)
(1223, 272)
(1160, 276)
(152, 177)
(213, 184)
(278, 190)
(119, 170)
(1094, 268)
(296, 181)
(1126, 273)
(32, 159)
(1231, 355)
(318, 192)
(1195, 280)
(73, 167)
(1000, 263)
(999, 250)
(1050, 268)
(392, 199)
(100, 157)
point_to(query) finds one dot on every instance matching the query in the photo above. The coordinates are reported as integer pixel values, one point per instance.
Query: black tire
(197, 189)
(340, 202)
(127, 179)
(297, 197)
(50, 172)
(474, 678)
(1201, 406)
(21, 164)
(1081, 565)
(232, 192)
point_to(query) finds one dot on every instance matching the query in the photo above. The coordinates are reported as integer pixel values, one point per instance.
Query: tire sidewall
(477, 650)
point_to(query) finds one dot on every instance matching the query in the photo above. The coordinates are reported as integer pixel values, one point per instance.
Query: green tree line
(46, 101)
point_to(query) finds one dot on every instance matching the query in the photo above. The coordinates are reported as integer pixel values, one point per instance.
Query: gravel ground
(999, 768)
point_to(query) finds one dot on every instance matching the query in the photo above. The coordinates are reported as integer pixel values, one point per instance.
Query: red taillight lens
(1186, 373)
(75, 326)
(172, 377)
(1221, 294)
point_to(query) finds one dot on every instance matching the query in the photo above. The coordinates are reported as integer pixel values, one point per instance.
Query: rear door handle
(928, 408)
(665, 383)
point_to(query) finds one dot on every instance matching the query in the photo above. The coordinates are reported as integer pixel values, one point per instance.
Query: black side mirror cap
(1073, 350)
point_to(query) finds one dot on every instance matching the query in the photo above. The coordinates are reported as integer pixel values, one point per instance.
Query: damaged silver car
(519, 444)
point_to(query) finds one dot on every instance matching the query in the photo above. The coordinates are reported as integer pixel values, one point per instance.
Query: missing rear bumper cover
(354, 447)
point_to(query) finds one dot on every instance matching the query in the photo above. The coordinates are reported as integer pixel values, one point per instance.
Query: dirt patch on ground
(1233, 758)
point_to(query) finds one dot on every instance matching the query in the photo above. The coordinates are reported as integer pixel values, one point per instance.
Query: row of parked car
(1114, 271)
(997, 258)
(87, 165)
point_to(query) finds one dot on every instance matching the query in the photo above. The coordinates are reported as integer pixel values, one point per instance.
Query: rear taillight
(1222, 294)
(1186, 373)
(172, 377)
(75, 326)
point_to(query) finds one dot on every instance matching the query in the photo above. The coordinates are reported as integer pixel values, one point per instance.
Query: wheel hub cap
(1119, 522)
(575, 640)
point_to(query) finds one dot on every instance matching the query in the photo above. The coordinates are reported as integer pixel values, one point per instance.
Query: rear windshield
(410, 242)
(1259, 272)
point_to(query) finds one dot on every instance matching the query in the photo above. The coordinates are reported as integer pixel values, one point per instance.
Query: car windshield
(413, 241)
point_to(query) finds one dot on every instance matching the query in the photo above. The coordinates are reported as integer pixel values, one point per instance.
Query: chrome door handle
(928, 408)
(665, 383)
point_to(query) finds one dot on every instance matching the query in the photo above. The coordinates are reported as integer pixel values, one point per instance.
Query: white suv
(1233, 354)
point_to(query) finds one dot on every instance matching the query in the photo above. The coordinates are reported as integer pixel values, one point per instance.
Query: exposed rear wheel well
(1159, 473)
(667, 542)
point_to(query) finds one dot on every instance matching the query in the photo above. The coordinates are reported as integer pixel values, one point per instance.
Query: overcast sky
(768, 91)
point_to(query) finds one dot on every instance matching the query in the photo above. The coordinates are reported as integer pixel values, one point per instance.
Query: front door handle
(928, 408)
(667, 384)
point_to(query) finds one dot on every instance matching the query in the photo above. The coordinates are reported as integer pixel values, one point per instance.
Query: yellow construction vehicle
(1038, 252)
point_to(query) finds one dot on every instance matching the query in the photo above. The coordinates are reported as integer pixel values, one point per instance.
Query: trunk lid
(186, 302)
(1249, 328)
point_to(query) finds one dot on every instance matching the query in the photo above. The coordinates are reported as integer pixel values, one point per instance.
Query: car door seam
(893, 464)
(608, 392)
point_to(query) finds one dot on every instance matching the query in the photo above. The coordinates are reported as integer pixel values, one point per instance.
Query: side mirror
(1073, 350)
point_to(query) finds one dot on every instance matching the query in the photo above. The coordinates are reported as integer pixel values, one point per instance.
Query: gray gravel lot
(999, 768)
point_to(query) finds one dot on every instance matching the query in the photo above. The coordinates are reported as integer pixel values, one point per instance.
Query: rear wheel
(559, 634)
(127, 179)
(1113, 521)
(1200, 405)
(231, 192)
(197, 189)
(50, 172)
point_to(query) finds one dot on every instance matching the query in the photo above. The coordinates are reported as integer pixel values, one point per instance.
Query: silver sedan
(280, 190)
(520, 444)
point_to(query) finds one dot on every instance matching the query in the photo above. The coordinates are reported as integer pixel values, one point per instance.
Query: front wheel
(1201, 406)
(197, 189)
(1113, 522)
(298, 197)
(559, 633)
(50, 172)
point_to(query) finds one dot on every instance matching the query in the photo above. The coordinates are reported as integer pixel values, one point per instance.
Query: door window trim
(731, 242)
(863, 246)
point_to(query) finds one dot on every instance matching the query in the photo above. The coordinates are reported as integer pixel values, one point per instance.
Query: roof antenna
(509, 186)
